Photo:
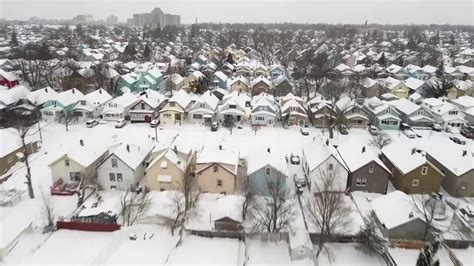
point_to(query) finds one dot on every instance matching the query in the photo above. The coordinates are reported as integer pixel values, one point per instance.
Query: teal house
(138, 82)
(382, 115)
(267, 172)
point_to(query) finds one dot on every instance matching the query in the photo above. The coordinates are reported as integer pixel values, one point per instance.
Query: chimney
(81, 142)
(268, 149)
(413, 151)
(464, 153)
(327, 142)
(220, 147)
(128, 148)
(410, 215)
(73, 91)
(363, 149)
(100, 91)
(46, 90)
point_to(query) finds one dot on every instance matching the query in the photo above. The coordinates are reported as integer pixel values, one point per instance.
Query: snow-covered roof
(10, 141)
(174, 158)
(413, 83)
(131, 154)
(317, 152)
(8, 75)
(464, 101)
(242, 79)
(260, 79)
(84, 155)
(215, 155)
(69, 97)
(438, 106)
(453, 157)
(394, 209)
(129, 78)
(394, 68)
(429, 69)
(258, 158)
(220, 75)
(98, 97)
(462, 84)
(41, 96)
(107, 202)
(182, 98)
(404, 157)
(405, 106)
(355, 155)
(13, 95)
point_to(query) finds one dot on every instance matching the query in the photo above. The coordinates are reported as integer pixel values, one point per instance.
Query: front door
(177, 117)
(147, 118)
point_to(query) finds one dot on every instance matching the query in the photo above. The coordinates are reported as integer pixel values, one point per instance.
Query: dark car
(304, 131)
(436, 127)
(214, 126)
(458, 140)
(343, 129)
(468, 132)
(404, 126)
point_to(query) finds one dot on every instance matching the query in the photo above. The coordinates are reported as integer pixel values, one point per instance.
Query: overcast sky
(299, 11)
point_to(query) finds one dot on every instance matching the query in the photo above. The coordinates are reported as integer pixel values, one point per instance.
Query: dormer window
(371, 168)
(232, 106)
(172, 104)
(142, 106)
(202, 105)
(424, 170)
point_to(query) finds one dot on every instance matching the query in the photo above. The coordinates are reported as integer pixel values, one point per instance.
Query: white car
(120, 123)
(91, 123)
(409, 133)
(155, 122)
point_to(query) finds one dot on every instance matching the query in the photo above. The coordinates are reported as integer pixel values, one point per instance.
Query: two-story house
(119, 107)
(354, 115)
(381, 114)
(91, 106)
(239, 84)
(175, 110)
(412, 114)
(444, 113)
(260, 84)
(235, 106)
(203, 111)
(264, 110)
(266, 170)
(146, 108)
(293, 110)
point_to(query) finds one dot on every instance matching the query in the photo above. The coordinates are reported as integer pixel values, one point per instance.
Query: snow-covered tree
(427, 255)
(369, 238)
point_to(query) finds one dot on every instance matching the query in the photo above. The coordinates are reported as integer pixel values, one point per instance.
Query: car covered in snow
(457, 140)
(214, 126)
(155, 122)
(409, 133)
(373, 130)
(91, 123)
(120, 123)
(436, 127)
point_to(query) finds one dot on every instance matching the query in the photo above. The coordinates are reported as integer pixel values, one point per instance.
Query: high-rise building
(83, 19)
(112, 19)
(154, 18)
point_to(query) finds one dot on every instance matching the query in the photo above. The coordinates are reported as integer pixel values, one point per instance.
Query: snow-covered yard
(261, 253)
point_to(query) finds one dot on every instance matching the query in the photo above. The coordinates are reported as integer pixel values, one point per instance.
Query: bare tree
(369, 238)
(381, 140)
(275, 209)
(426, 206)
(133, 204)
(47, 210)
(248, 194)
(332, 93)
(24, 127)
(229, 123)
(326, 209)
(176, 205)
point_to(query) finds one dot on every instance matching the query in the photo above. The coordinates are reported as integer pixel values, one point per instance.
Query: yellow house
(168, 170)
(396, 87)
(460, 88)
(240, 84)
(216, 170)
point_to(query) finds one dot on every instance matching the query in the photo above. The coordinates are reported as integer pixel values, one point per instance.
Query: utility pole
(156, 133)
(39, 129)
(67, 129)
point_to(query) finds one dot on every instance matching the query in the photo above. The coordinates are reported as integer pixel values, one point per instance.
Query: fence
(94, 227)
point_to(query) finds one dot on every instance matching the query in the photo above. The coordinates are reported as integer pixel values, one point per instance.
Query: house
(412, 114)
(444, 113)
(146, 108)
(119, 107)
(281, 86)
(239, 84)
(216, 170)
(398, 72)
(221, 79)
(102, 209)
(293, 110)
(260, 84)
(76, 163)
(11, 148)
(417, 72)
(415, 98)
(124, 167)
(235, 106)
(126, 82)
(354, 115)
(175, 110)
(395, 87)
(321, 112)
(300, 244)
(168, 170)
(92, 105)
(57, 109)
(416, 86)
(264, 110)
(82, 79)
(397, 217)
(8, 79)
(266, 170)
(430, 70)
(10, 98)
(366, 171)
(381, 114)
(411, 172)
(457, 165)
(466, 104)
(41, 96)
(195, 75)
(203, 111)
(460, 88)
(277, 71)
(371, 87)
(319, 160)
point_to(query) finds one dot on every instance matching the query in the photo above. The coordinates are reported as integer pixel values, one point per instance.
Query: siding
(177, 176)
(130, 177)
(207, 179)
(259, 182)
(376, 182)
(452, 183)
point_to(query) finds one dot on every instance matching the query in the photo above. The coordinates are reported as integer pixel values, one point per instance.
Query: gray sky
(298, 11)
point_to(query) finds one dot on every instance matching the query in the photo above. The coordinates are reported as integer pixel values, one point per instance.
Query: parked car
(468, 132)
(458, 140)
(404, 126)
(155, 122)
(409, 133)
(120, 123)
(214, 126)
(436, 127)
(373, 131)
(91, 123)
(304, 131)
(343, 129)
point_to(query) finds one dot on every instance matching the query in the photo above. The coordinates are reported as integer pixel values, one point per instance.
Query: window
(330, 166)
(164, 164)
(232, 106)
(216, 168)
(219, 182)
(463, 185)
(48, 113)
(259, 118)
(83, 103)
(267, 170)
(166, 115)
(114, 163)
(424, 170)
(371, 168)
(453, 112)
(387, 111)
(142, 105)
(363, 182)
(172, 104)
(415, 182)
(75, 176)
(66, 161)
(119, 177)
(358, 181)
(420, 112)
(202, 105)
(112, 177)
(197, 116)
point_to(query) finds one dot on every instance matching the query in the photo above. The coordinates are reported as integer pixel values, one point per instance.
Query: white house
(175, 110)
(203, 110)
(265, 111)
(146, 108)
(124, 167)
(119, 107)
(320, 159)
(92, 105)
(234, 106)
(444, 113)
